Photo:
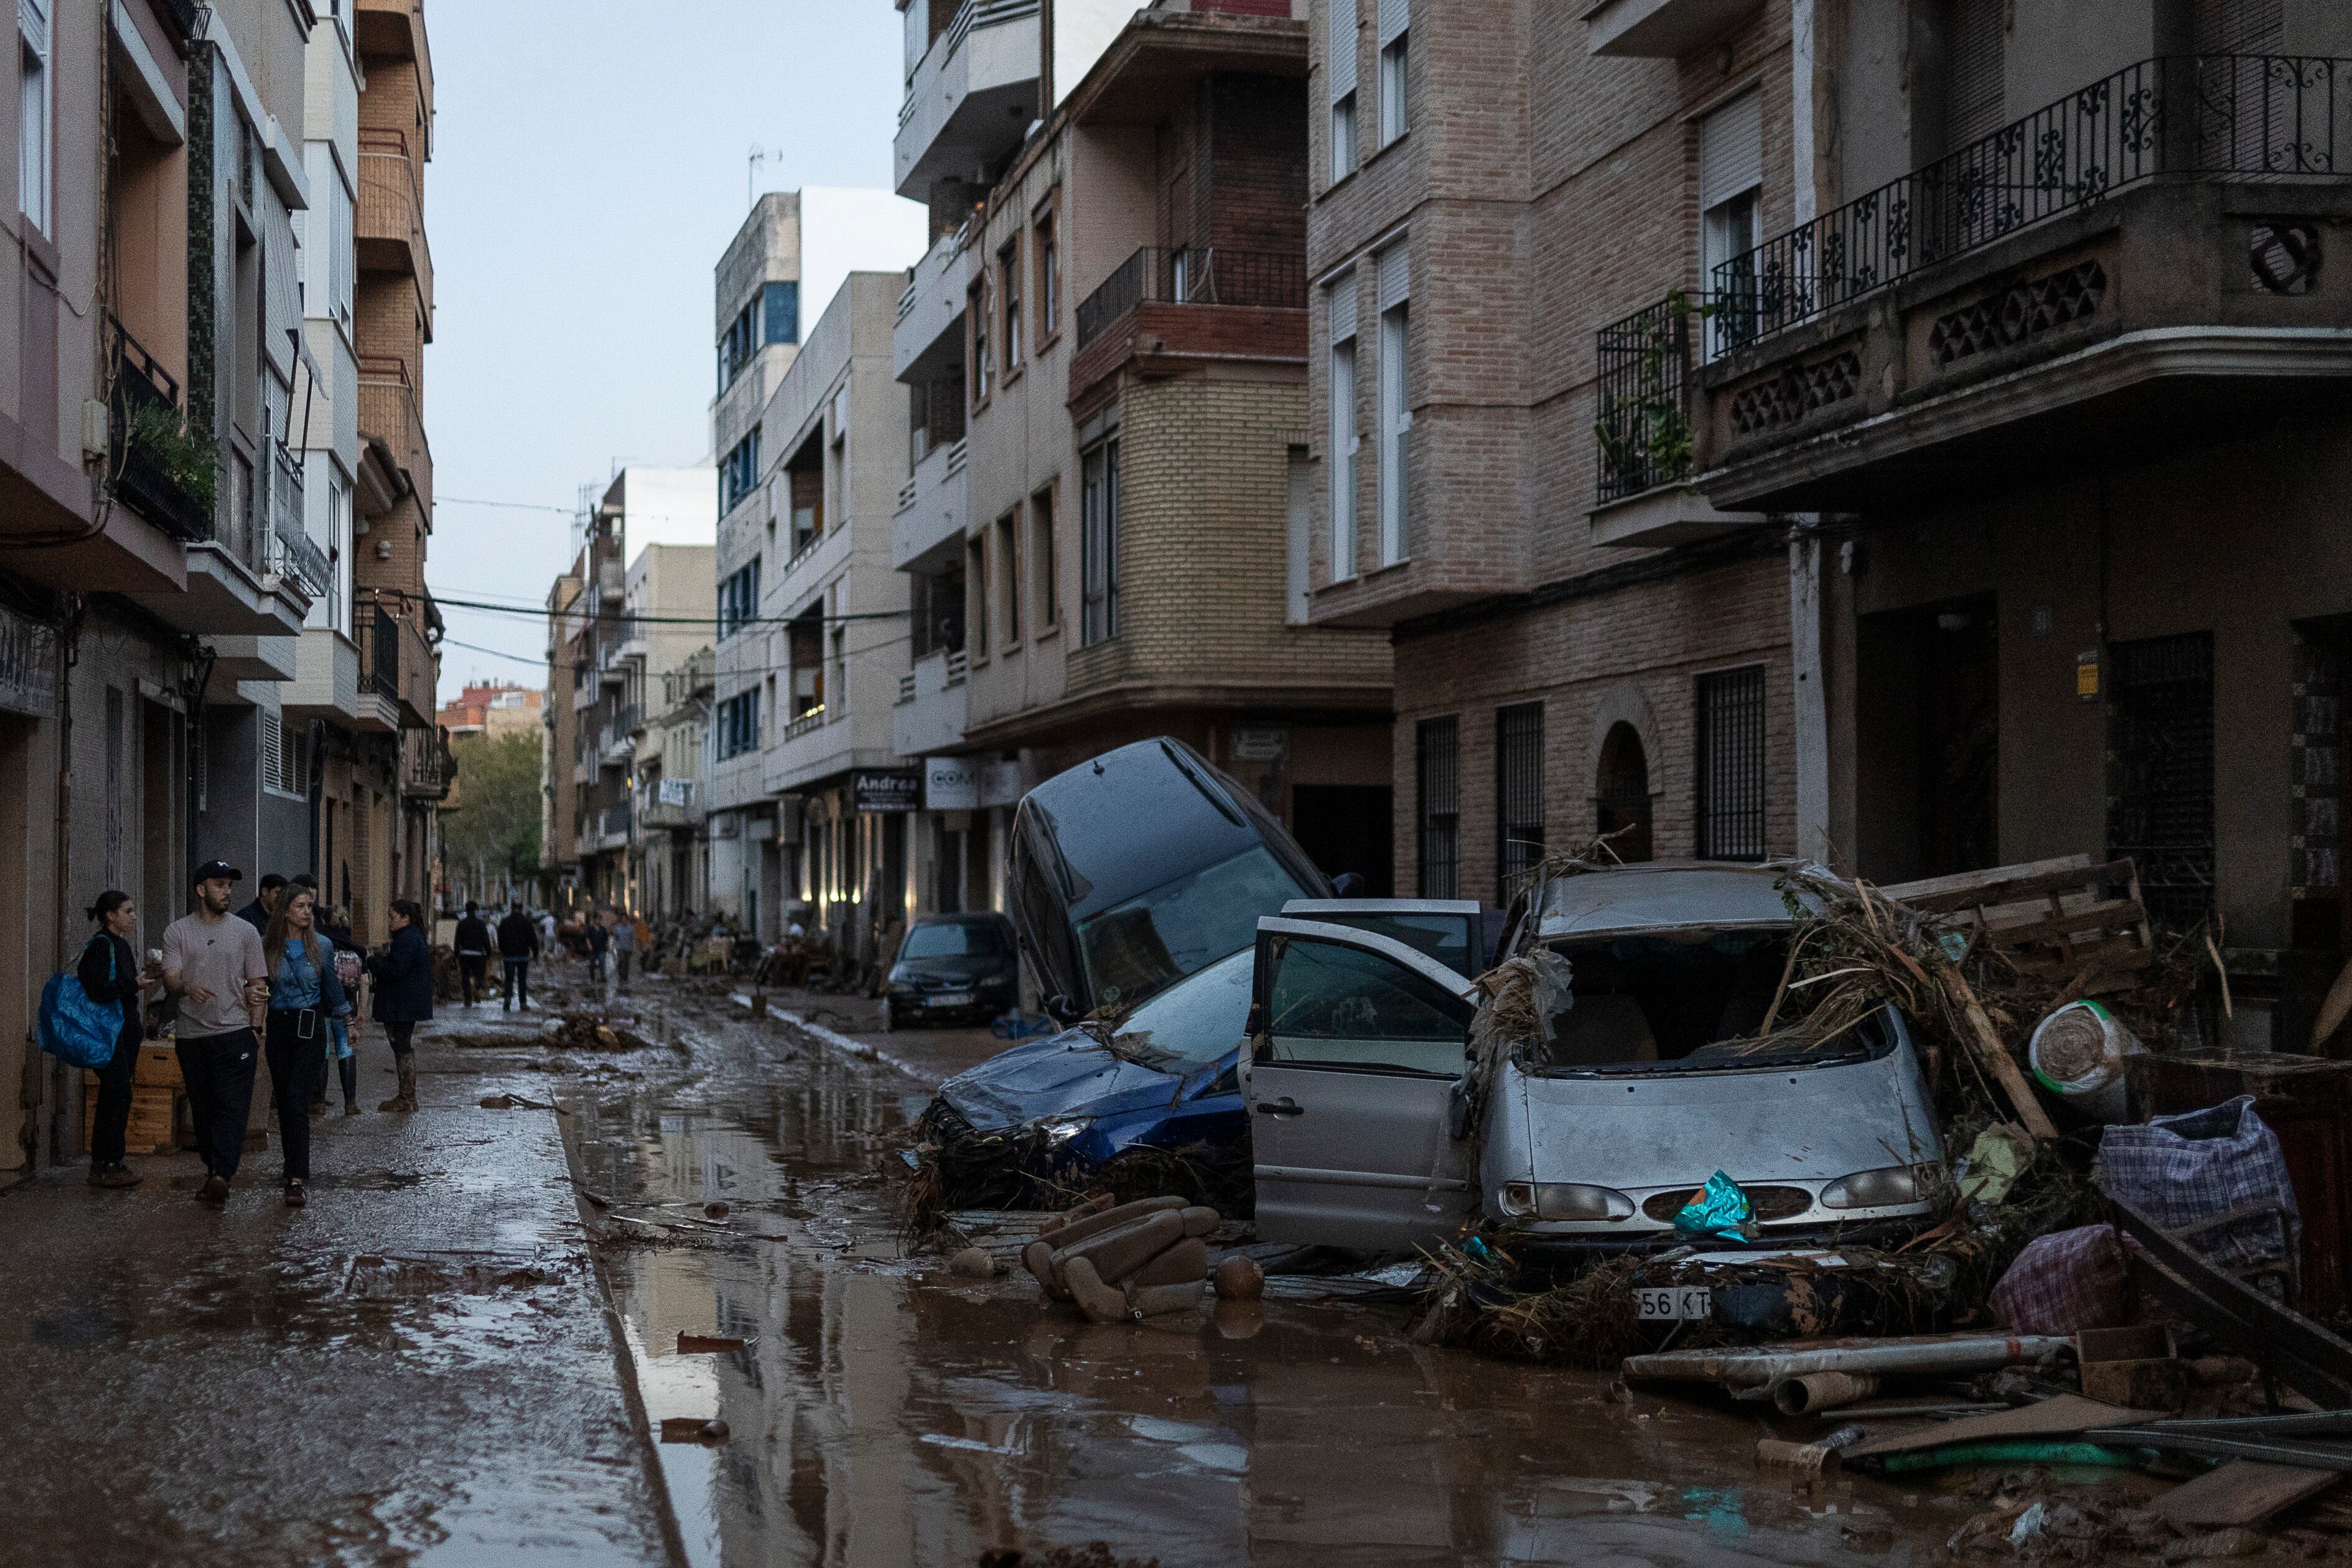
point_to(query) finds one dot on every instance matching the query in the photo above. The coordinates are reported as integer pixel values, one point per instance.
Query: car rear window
(1135, 949)
(955, 939)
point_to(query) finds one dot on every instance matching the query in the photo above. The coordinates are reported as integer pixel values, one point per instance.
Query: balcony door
(1730, 191)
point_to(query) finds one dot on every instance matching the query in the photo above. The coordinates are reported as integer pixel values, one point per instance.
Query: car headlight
(1060, 1132)
(1874, 1189)
(1564, 1201)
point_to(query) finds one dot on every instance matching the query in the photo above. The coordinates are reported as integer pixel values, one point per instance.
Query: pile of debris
(586, 1031)
(954, 1166)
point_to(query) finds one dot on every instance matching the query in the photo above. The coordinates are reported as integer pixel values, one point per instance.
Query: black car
(954, 968)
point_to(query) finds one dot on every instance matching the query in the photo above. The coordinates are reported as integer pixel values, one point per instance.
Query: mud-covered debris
(1093, 1555)
(2238, 1541)
(1239, 1279)
(708, 1344)
(973, 1263)
(693, 1429)
(593, 1032)
(715, 1211)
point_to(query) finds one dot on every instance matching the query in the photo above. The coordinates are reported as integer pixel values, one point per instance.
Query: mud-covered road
(420, 1367)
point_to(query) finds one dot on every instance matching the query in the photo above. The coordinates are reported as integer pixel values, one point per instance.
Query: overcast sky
(589, 167)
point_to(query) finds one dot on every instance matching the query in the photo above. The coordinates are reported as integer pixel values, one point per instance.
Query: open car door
(1357, 1043)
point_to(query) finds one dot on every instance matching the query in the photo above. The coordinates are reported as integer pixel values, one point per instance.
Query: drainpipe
(206, 659)
(1812, 696)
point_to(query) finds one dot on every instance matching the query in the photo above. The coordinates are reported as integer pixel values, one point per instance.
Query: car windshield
(954, 939)
(1194, 1021)
(1135, 949)
(1688, 1001)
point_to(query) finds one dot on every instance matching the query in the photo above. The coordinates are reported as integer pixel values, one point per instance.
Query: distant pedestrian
(403, 972)
(518, 945)
(264, 902)
(213, 964)
(473, 952)
(547, 933)
(600, 937)
(305, 996)
(625, 947)
(110, 974)
(336, 926)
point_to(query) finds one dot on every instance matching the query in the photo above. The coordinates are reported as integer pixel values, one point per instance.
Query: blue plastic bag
(1719, 1209)
(75, 1028)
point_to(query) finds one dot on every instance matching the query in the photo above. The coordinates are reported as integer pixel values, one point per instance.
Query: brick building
(1104, 525)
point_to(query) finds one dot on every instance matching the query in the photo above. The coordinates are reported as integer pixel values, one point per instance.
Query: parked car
(1360, 1043)
(1140, 866)
(952, 968)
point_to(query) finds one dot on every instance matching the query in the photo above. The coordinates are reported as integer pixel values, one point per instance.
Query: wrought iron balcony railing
(2266, 117)
(1643, 423)
(161, 469)
(379, 655)
(1185, 276)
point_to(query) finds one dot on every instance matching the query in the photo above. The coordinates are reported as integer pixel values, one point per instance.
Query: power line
(623, 617)
(530, 659)
(508, 505)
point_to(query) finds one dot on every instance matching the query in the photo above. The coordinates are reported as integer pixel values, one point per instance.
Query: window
(1731, 181)
(976, 573)
(773, 316)
(1008, 268)
(340, 259)
(1395, 117)
(1343, 24)
(285, 757)
(780, 313)
(739, 599)
(1298, 525)
(1099, 544)
(1008, 571)
(1045, 247)
(1344, 1008)
(339, 551)
(736, 730)
(739, 472)
(1045, 560)
(1519, 795)
(36, 157)
(1343, 440)
(983, 370)
(1731, 764)
(1437, 744)
(1396, 414)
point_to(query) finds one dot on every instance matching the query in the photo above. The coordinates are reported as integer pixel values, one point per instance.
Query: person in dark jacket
(112, 975)
(404, 995)
(517, 944)
(600, 937)
(265, 899)
(473, 952)
(305, 995)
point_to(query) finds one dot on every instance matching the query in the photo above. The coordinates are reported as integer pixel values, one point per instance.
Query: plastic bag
(1721, 1208)
(76, 1027)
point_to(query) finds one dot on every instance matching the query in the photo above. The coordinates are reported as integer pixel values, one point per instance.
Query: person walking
(213, 964)
(336, 926)
(111, 974)
(547, 933)
(473, 952)
(625, 947)
(264, 902)
(600, 937)
(305, 995)
(403, 972)
(518, 945)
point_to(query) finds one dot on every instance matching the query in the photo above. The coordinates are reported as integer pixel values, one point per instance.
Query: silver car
(1598, 1140)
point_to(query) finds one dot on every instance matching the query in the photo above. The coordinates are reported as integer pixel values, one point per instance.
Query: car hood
(1068, 1074)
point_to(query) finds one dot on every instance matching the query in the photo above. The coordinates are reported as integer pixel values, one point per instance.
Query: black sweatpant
(219, 1069)
(298, 1068)
(106, 1132)
(517, 981)
(471, 967)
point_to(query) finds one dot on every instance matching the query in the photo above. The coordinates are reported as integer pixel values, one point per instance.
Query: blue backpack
(76, 1027)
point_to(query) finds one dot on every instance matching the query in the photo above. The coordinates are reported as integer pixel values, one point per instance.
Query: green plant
(159, 434)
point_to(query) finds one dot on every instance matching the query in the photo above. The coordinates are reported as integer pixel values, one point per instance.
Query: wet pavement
(419, 1369)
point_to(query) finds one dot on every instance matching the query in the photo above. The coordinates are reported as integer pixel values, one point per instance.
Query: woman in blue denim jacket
(305, 997)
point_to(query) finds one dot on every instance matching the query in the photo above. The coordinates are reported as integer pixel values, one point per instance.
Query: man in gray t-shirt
(213, 963)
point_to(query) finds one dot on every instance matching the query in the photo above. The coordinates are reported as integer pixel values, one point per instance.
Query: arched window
(1622, 791)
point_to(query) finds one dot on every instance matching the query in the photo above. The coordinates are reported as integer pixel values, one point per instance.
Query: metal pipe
(1765, 1366)
(1822, 1391)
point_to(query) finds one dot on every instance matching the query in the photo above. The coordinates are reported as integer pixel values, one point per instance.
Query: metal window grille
(1519, 795)
(1731, 764)
(2160, 772)
(1437, 746)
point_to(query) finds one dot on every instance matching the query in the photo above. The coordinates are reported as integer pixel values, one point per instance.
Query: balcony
(972, 97)
(673, 808)
(613, 828)
(288, 552)
(2128, 270)
(930, 514)
(326, 678)
(391, 411)
(426, 768)
(1661, 30)
(930, 714)
(397, 664)
(389, 224)
(1161, 304)
(161, 470)
(1642, 428)
(928, 335)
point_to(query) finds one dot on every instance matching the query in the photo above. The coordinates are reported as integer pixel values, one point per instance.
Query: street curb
(840, 1042)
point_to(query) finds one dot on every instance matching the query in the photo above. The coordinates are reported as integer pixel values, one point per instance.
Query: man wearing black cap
(264, 902)
(213, 964)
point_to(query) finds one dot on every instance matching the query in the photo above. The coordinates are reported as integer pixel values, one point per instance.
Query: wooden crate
(153, 1127)
(159, 1067)
(2052, 918)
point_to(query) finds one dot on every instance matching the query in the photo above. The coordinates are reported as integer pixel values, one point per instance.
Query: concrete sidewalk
(417, 1368)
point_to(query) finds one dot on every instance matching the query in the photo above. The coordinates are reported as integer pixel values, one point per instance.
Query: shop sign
(999, 784)
(676, 792)
(28, 665)
(951, 784)
(887, 789)
(1261, 743)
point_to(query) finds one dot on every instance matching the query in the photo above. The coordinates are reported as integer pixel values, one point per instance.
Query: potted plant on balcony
(162, 454)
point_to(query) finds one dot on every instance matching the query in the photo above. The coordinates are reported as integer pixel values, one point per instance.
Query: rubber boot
(348, 1069)
(405, 1100)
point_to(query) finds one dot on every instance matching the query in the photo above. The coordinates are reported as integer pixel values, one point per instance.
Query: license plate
(949, 999)
(1674, 1303)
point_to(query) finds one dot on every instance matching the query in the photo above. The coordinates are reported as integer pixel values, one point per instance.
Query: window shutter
(1341, 22)
(1392, 20)
(272, 736)
(1972, 97)
(2240, 27)
(1731, 150)
(1396, 276)
(1343, 307)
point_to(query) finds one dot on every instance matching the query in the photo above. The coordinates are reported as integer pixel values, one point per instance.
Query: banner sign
(887, 789)
(951, 784)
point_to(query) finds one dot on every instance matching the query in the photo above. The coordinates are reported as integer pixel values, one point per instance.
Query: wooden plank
(1993, 1057)
(2061, 1416)
(2281, 1341)
(2099, 921)
(1996, 884)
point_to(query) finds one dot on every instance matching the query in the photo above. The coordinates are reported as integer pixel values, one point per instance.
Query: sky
(590, 164)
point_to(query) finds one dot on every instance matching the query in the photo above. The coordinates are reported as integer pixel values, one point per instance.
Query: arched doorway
(1622, 791)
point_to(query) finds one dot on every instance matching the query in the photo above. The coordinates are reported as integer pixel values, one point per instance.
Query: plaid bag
(2216, 1179)
(2065, 1282)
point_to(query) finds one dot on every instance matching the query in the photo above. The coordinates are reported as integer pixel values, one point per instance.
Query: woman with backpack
(305, 997)
(113, 976)
(403, 972)
(336, 926)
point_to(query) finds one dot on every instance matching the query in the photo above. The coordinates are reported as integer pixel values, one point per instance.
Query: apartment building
(1105, 523)
(570, 607)
(672, 779)
(637, 624)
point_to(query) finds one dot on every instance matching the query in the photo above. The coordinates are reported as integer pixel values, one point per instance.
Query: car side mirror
(1058, 1007)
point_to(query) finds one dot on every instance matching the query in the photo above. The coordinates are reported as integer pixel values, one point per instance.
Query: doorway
(1621, 793)
(1348, 828)
(1927, 737)
(2160, 772)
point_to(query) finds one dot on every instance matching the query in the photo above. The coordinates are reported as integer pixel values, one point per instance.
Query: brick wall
(1257, 172)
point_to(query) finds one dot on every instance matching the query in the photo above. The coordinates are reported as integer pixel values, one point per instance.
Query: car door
(1356, 1041)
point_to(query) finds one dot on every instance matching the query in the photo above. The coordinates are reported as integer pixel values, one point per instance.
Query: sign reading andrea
(887, 789)
(28, 665)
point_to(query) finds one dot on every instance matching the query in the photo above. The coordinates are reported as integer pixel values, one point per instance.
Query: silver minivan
(1651, 1081)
